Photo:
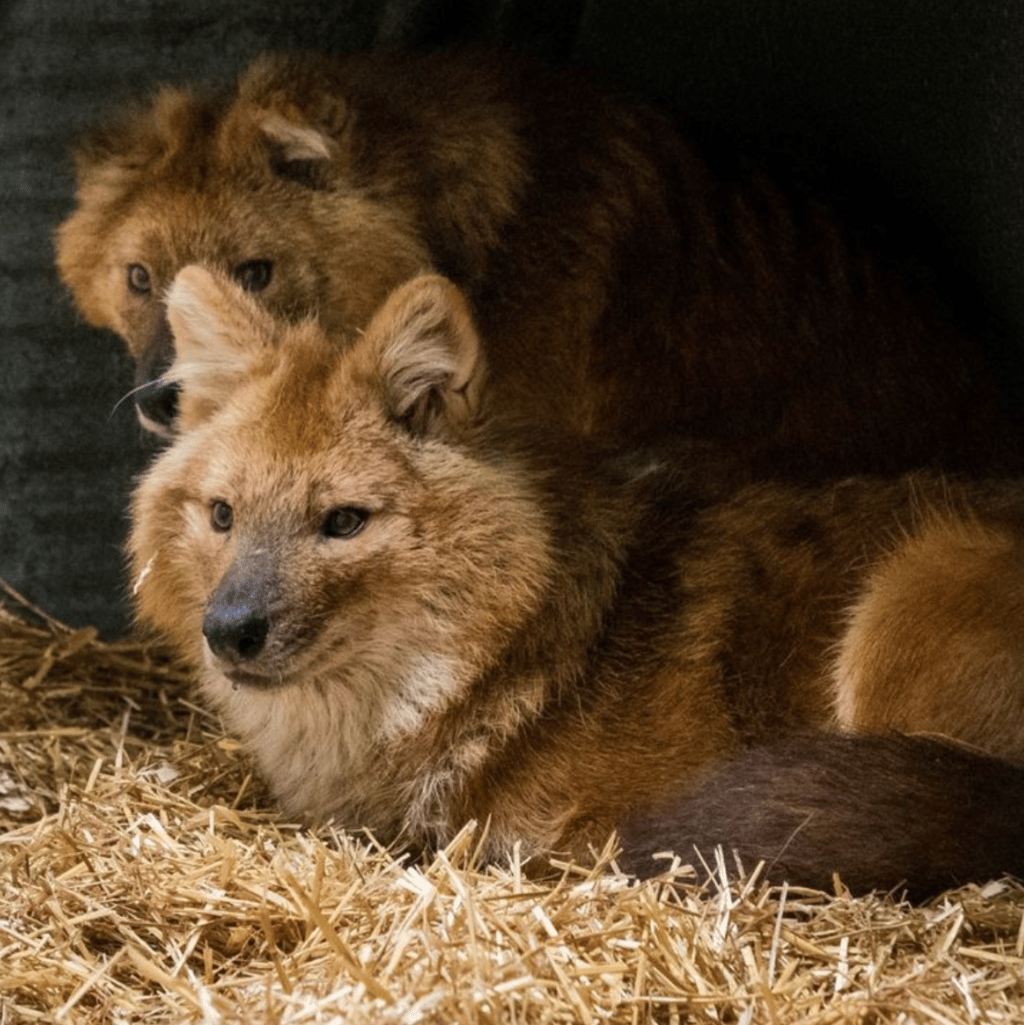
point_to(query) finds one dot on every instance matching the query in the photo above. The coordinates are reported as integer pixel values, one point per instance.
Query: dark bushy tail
(911, 814)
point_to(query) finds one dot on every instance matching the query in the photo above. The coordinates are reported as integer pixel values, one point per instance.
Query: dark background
(909, 112)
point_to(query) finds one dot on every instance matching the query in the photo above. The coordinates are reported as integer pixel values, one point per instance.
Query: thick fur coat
(415, 616)
(623, 290)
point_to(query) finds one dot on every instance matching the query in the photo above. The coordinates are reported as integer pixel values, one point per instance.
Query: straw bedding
(145, 878)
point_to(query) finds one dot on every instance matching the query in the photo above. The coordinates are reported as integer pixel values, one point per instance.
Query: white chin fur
(316, 745)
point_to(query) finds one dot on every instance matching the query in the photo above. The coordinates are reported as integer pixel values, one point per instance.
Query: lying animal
(416, 614)
(622, 289)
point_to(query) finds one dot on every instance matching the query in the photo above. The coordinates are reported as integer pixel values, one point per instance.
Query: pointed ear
(429, 357)
(219, 335)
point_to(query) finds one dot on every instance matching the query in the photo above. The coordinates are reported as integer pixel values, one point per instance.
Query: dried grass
(144, 879)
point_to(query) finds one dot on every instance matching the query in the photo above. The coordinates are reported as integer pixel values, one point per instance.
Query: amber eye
(222, 516)
(139, 281)
(254, 275)
(345, 521)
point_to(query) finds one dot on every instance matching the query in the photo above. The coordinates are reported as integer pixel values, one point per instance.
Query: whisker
(159, 381)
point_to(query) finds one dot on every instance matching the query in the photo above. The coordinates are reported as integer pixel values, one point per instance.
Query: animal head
(321, 525)
(299, 194)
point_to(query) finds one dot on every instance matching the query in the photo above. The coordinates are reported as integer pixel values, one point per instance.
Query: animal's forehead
(309, 434)
(197, 227)
(205, 152)
(332, 474)
(282, 483)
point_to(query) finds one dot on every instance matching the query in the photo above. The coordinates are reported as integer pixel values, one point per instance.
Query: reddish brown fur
(621, 290)
(523, 632)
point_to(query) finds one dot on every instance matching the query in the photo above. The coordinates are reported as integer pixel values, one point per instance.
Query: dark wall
(910, 109)
(918, 105)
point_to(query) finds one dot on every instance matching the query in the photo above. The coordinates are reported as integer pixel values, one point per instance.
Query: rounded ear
(285, 101)
(219, 333)
(300, 153)
(129, 145)
(111, 161)
(295, 140)
(429, 357)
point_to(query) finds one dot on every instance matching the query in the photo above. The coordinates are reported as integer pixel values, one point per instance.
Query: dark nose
(234, 630)
(157, 405)
(156, 400)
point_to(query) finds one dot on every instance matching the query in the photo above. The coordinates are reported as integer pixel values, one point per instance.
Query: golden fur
(415, 615)
(934, 641)
(622, 289)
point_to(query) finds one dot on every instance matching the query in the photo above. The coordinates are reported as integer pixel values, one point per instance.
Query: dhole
(622, 288)
(416, 614)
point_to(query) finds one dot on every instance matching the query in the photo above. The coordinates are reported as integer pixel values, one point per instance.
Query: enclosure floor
(144, 877)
